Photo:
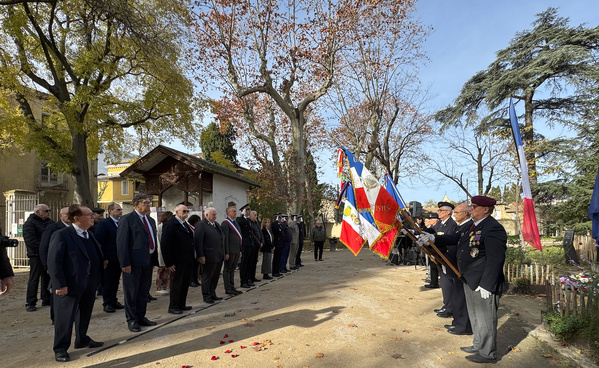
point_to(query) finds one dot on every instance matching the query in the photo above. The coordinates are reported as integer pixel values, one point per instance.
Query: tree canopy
(552, 69)
(108, 75)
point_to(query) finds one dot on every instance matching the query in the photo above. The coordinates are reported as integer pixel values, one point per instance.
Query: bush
(563, 327)
(522, 285)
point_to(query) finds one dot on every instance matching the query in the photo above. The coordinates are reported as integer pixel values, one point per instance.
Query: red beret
(483, 201)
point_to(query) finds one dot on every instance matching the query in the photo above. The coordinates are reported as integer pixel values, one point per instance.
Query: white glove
(405, 232)
(424, 238)
(483, 293)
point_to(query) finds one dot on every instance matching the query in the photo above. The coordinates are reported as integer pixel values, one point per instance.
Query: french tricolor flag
(357, 228)
(530, 230)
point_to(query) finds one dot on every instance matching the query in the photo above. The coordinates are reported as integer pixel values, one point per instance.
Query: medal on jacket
(473, 252)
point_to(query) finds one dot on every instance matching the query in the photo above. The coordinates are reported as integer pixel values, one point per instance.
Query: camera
(6, 242)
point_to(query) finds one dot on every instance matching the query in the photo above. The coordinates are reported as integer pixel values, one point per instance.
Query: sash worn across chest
(234, 228)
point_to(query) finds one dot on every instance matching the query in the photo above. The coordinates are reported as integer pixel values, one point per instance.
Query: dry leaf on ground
(352, 325)
(407, 331)
(319, 355)
(397, 356)
(246, 320)
(396, 339)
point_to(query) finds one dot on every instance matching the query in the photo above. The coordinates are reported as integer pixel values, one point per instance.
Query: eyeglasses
(474, 206)
(146, 202)
(48, 211)
(185, 211)
(442, 210)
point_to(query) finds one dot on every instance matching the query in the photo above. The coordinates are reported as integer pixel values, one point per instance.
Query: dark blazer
(5, 267)
(246, 230)
(267, 247)
(232, 243)
(132, 244)
(176, 243)
(106, 235)
(488, 239)
(257, 237)
(209, 242)
(45, 241)
(33, 229)
(68, 260)
(278, 234)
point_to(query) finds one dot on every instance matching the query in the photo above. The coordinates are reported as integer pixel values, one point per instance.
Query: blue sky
(464, 39)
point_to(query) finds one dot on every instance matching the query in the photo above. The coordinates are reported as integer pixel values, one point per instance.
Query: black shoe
(283, 271)
(449, 327)
(251, 283)
(146, 322)
(469, 349)
(62, 356)
(32, 308)
(267, 277)
(150, 297)
(444, 315)
(230, 292)
(277, 275)
(119, 306)
(300, 265)
(133, 326)
(214, 297)
(245, 286)
(109, 309)
(477, 358)
(208, 300)
(429, 286)
(453, 331)
(293, 268)
(187, 307)
(256, 280)
(175, 311)
(440, 310)
(237, 292)
(194, 284)
(90, 344)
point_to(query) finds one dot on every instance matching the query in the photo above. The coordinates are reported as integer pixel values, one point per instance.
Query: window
(47, 176)
(125, 187)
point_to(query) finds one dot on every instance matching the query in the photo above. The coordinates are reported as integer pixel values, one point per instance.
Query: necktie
(149, 233)
(84, 234)
(116, 223)
(185, 226)
(471, 227)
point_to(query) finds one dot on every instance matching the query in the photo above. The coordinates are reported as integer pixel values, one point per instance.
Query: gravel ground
(343, 312)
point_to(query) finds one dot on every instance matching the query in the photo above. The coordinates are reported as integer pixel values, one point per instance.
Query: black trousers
(318, 248)
(245, 270)
(461, 321)
(434, 273)
(112, 277)
(276, 260)
(253, 262)
(180, 285)
(37, 275)
(298, 257)
(229, 272)
(69, 309)
(210, 275)
(136, 287)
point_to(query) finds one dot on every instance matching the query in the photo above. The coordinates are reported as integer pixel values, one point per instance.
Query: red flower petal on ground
(517, 314)
(214, 357)
(256, 343)
(227, 351)
(226, 335)
(230, 340)
(243, 347)
(222, 342)
(234, 355)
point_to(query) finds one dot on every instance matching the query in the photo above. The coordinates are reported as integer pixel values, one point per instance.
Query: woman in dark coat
(266, 249)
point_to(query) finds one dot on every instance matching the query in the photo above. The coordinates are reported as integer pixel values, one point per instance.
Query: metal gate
(19, 204)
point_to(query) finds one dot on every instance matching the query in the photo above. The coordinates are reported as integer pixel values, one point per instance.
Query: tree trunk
(528, 139)
(80, 172)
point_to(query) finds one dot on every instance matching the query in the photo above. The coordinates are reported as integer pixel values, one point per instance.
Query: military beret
(483, 201)
(98, 210)
(445, 204)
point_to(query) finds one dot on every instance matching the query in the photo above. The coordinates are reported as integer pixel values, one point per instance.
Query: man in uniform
(481, 256)
(278, 244)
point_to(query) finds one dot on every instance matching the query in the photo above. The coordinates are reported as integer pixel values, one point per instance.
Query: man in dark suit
(481, 256)
(106, 235)
(177, 250)
(210, 248)
(45, 244)
(246, 248)
(136, 247)
(278, 245)
(232, 235)
(74, 263)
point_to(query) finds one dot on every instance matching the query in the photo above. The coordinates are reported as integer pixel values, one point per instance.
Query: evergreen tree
(216, 142)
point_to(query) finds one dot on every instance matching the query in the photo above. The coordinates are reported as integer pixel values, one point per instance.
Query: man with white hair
(33, 229)
(210, 248)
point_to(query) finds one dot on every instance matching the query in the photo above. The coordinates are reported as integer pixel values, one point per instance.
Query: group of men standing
(475, 243)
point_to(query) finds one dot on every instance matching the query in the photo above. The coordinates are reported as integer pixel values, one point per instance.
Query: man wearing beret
(481, 255)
